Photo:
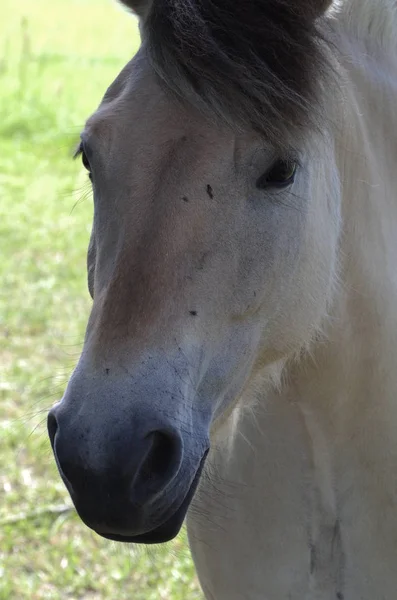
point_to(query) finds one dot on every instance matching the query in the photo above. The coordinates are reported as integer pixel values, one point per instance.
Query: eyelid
(291, 156)
(84, 146)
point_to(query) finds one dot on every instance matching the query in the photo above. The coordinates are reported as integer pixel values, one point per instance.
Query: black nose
(110, 472)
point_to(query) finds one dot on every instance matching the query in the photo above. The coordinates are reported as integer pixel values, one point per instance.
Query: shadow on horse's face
(211, 256)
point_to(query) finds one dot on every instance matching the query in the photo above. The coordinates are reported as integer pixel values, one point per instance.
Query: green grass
(56, 59)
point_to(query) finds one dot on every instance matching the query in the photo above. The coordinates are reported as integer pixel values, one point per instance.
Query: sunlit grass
(56, 59)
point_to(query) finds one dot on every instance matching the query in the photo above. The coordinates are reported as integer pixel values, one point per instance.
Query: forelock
(258, 64)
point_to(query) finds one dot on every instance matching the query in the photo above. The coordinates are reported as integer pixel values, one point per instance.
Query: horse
(239, 362)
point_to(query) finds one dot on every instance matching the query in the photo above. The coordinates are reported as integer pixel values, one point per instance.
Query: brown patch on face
(133, 302)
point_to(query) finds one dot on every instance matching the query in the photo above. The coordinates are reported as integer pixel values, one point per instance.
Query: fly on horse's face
(212, 255)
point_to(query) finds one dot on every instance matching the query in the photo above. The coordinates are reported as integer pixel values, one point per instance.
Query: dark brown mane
(254, 63)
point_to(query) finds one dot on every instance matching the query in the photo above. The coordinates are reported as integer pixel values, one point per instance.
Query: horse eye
(85, 161)
(280, 175)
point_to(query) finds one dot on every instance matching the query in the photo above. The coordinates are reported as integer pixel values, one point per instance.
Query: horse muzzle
(131, 473)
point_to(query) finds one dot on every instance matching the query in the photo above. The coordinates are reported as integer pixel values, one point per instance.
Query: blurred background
(57, 58)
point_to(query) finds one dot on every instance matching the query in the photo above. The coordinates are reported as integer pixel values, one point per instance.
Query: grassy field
(56, 59)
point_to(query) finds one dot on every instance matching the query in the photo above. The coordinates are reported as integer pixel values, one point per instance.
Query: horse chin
(168, 529)
(164, 533)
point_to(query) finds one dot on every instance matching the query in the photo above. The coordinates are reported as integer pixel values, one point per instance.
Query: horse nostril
(163, 459)
(52, 426)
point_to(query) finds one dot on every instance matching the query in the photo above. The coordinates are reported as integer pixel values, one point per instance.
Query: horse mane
(255, 64)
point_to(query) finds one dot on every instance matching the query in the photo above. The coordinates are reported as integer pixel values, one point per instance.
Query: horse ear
(139, 7)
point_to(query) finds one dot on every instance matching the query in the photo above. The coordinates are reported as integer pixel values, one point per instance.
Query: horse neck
(346, 389)
(362, 328)
(362, 321)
